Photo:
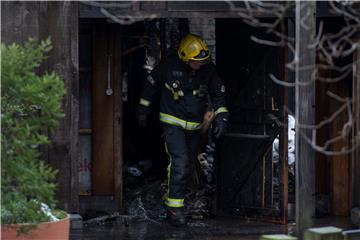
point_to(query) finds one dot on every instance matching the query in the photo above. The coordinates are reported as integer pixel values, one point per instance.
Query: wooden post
(304, 114)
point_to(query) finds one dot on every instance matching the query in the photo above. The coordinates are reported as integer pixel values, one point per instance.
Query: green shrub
(30, 106)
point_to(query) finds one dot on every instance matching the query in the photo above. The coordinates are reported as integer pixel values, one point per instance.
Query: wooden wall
(334, 172)
(59, 20)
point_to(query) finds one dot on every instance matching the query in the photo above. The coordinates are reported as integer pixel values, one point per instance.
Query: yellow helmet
(192, 47)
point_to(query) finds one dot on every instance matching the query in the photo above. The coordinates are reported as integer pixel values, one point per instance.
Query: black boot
(176, 216)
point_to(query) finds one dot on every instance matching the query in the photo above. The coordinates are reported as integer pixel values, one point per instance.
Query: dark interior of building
(248, 180)
(243, 66)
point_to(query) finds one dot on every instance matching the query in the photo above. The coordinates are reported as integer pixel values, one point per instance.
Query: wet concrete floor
(212, 229)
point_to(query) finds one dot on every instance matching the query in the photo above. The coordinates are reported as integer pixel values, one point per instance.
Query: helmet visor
(204, 54)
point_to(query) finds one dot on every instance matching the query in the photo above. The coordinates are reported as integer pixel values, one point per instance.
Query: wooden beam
(304, 114)
(173, 9)
(191, 9)
(141, 15)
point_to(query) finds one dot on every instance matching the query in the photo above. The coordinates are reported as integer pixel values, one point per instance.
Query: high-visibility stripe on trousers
(182, 148)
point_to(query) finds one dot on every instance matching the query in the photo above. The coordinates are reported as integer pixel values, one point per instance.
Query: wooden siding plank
(62, 26)
(304, 114)
(20, 28)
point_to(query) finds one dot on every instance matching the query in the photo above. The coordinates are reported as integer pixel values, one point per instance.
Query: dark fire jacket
(185, 93)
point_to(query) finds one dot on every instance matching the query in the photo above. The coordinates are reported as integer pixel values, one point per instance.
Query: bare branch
(107, 4)
(334, 79)
(304, 19)
(336, 97)
(319, 125)
(344, 13)
(267, 42)
(318, 36)
(288, 84)
(322, 150)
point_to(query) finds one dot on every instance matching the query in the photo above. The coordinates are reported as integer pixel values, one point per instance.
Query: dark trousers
(182, 148)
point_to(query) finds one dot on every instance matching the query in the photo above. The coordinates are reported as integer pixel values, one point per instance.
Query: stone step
(76, 221)
(351, 234)
(323, 233)
(277, 237)
(355, 216)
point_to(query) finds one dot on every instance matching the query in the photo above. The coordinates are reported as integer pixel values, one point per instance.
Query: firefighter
(186, 81)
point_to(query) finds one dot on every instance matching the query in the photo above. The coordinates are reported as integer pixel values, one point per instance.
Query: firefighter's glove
(220, 127)
(142, 118)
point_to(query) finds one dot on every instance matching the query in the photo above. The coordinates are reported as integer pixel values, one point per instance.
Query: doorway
(100, 123)
(251, 184)
(118, 156)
